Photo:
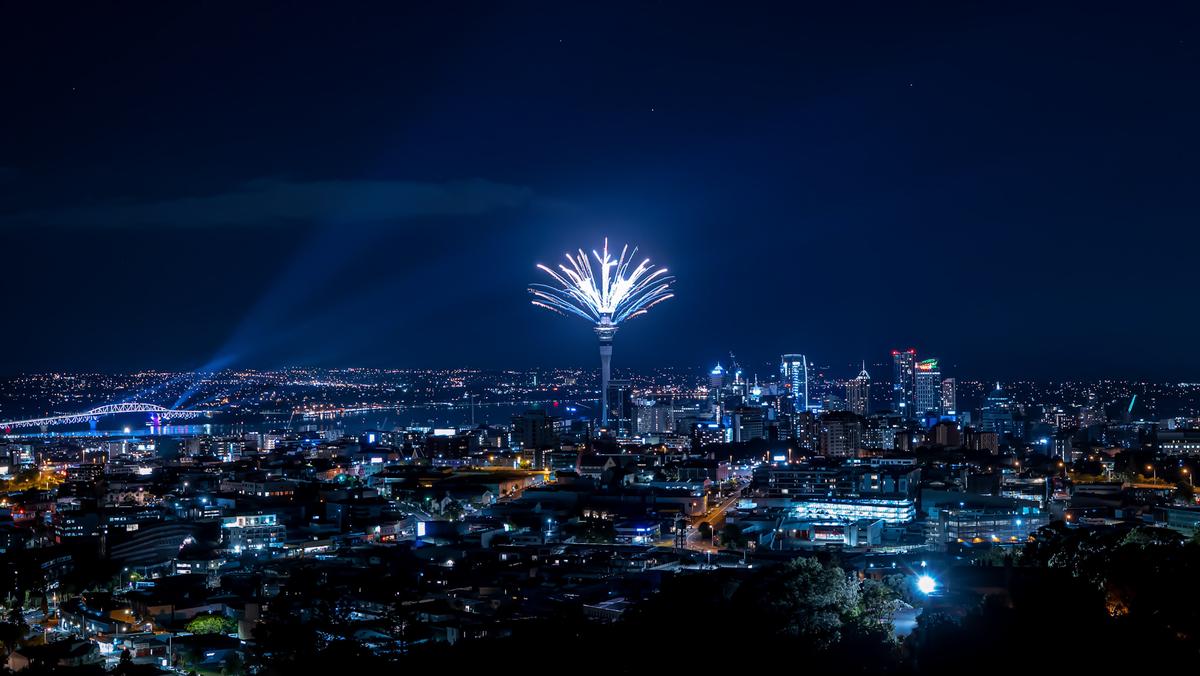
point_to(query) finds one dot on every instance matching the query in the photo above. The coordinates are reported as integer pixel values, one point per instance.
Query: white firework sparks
(609, 295)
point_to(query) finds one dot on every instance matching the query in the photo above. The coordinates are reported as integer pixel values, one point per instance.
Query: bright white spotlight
(926, 584)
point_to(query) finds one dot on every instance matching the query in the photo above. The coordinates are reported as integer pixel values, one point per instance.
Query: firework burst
(606, 295)
(610, 293)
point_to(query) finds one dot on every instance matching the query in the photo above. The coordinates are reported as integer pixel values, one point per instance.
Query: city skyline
(282, 390)
(998, 187)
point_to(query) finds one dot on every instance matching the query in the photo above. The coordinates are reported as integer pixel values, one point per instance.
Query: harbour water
(349, 422)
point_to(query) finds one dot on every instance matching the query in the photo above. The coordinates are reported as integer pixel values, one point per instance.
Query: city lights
(280, 393)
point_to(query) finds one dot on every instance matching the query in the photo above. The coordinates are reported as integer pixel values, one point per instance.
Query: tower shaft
(605, 372)
(605, 330)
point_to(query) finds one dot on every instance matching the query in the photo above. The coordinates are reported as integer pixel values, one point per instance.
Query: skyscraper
(1091, 413)
(716, 391)
(653, 416)
(620, 406)
(997, 414)
(858, 392)
(534, 429)
(928, 386)
(840, 435)
(716, 378)
(949, 395)
(903, 391)
(794, 370)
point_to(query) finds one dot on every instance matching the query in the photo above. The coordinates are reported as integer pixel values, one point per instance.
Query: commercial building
(949, 396)
(793, 368)
(858, 393)
(841, 434)
(253, 531)
(653, 416)
(894, 510)
(903, 384)
(997, 415)
(620, 407)
(973, 518)
(928, 388)
(748, 422)
(534, 429)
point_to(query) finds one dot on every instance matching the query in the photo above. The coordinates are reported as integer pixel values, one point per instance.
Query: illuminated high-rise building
(858, 392)
(997, 414)
(927, 383)
(794, 370)
(840, 434)
(903, 386)
(534, 429)
(716, 378)
(1091, 413)
(620, 406)
(653, 417)
(716, 391)
(749, 423)
(949, 395)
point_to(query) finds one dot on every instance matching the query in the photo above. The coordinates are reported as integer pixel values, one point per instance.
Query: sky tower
(605, 296)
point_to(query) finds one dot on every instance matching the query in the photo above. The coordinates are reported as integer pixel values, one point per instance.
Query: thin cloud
(270, 202)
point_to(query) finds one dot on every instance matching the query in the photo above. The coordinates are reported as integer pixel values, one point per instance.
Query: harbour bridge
(157, 413)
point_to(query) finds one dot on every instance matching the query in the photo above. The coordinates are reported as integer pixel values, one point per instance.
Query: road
(715, 517)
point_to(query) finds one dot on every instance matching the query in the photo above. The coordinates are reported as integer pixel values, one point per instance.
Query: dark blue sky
(1011, 189)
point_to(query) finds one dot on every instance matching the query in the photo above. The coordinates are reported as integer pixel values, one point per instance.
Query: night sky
(199, 185)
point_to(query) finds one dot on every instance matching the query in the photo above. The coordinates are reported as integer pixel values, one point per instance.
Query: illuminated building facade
(534, 429)
(620, 407)
(653, 417)
(889, 510)
(974, 524)
(705, 433)
(997, 415)
(253, 531)
(794, 370)
(858, 392)
(949, 396)
(903, 387)
(927, 383)
(841, 434)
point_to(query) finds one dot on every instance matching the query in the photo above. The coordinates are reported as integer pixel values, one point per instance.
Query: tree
(10, 636)
(733, 537)
(809, 601)
(878, 601)
(453, 509)
(212, 624)
(16, 615)
(234, 666)
(904, 588)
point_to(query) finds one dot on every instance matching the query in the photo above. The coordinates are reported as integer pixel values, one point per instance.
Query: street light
(926, 584)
